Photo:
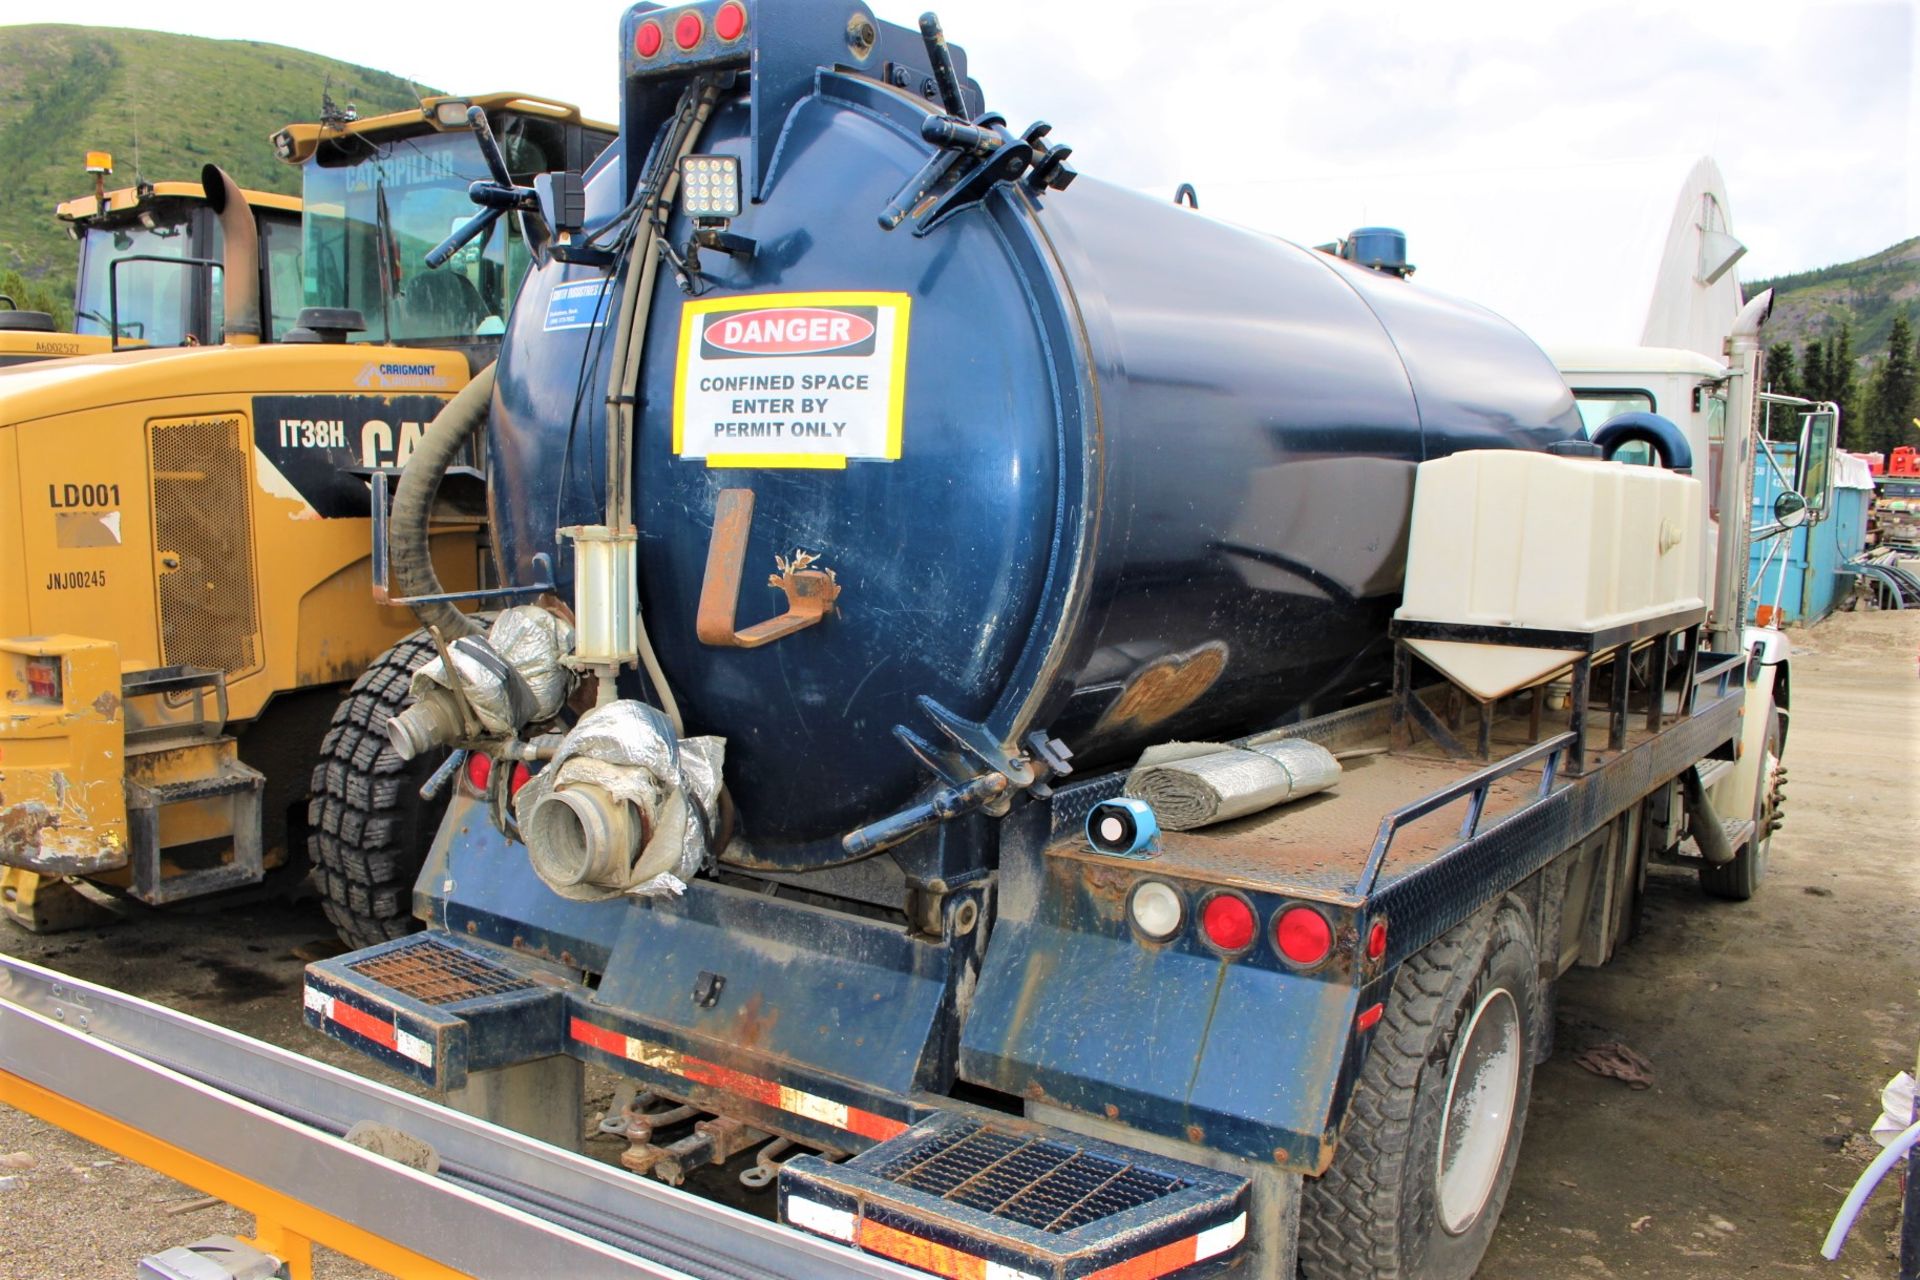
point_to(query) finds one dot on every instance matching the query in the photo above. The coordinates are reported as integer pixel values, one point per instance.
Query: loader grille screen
(432, 972)
(1040, 1183)
(202, 521)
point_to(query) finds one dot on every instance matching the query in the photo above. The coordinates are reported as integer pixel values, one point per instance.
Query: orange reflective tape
(381, 1033)
(765, 1092)
(924, 1254)
(598, 1037)
(869, 1125)
(768, 1093)
(1153, 1263)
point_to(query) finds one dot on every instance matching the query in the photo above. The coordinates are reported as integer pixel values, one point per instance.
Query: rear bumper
(438, 1008)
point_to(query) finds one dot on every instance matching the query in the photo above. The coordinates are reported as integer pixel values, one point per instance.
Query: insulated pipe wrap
(1193, 785)
(410, 545)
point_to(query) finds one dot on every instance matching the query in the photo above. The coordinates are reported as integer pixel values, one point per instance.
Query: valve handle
(944, 74)
(495, 198)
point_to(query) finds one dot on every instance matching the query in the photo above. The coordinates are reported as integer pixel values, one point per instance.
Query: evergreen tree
(1843, 385)
(36, 297)
(1813, 373)
(1890, 399)
(1783, 371)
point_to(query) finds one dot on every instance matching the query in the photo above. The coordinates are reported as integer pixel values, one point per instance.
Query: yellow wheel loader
(185, 578)
(150, 275)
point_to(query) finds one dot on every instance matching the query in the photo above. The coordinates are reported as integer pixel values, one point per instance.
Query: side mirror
(1789, 510)
(1813, 466)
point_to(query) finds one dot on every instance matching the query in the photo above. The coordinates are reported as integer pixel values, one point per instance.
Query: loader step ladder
(193, 806)
(261, 1128)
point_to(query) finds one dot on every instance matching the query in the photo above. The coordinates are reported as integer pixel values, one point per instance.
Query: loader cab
(381, 192)
(149, 271)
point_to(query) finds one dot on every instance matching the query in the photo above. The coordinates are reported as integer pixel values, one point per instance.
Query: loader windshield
(159, 303)
(375, 206)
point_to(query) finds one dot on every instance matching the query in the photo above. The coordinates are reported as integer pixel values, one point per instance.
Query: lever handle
(489, 148)
(944, 75)
(438, 255)
(810, 592)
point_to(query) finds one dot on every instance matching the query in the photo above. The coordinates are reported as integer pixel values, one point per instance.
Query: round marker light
(648, 39)
(518, 779)
(1156, 910)
(1228, 922)
(1377, 940)
(479, 771)
(1303, 935)
(687, 30)
(730, 21)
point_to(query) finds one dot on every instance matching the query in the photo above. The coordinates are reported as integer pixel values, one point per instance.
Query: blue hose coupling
(1123, 828)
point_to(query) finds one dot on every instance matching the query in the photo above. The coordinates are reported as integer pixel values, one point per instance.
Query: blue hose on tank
(1658, 433)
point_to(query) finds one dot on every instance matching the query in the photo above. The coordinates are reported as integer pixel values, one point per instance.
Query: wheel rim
(1481, 1094)
(1769, 805)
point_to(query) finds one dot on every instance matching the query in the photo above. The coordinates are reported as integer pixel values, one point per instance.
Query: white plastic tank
(1505, 537)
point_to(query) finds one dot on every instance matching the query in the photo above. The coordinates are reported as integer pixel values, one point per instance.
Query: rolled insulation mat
(1196, 784)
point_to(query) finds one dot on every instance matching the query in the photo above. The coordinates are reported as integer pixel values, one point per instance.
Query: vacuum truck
(1066, 738)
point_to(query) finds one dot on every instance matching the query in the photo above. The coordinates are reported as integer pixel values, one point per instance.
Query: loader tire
(369, 828)
(1384, 1209)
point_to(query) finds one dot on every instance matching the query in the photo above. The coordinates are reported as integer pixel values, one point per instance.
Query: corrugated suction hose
(410, 544)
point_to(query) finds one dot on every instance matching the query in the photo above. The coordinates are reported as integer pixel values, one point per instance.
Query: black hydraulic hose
(409, 543)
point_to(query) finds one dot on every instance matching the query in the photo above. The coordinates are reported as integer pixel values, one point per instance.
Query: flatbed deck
(1324, 847)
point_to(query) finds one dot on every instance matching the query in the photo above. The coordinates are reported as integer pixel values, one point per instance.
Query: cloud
(1809, 107)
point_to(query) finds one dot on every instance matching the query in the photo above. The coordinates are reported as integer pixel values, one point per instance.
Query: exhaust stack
(240, 257)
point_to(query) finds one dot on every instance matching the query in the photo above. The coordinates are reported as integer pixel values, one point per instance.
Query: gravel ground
(1771, 1026)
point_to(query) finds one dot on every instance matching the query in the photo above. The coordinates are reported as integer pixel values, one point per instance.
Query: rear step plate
(1005, 1199)
(437, 1009)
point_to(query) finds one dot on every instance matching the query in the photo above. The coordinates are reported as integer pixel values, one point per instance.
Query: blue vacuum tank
(1086, 467)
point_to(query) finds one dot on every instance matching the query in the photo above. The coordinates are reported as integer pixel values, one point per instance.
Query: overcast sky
(1286, 115)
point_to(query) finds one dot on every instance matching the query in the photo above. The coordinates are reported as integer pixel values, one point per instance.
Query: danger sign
(791, 380)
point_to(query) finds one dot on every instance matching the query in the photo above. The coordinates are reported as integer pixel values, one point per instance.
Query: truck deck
(1335, 847)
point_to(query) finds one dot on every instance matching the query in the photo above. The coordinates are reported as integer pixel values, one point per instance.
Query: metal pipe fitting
(432, 721)
(581, 835)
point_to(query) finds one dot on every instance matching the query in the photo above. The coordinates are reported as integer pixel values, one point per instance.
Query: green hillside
(1867, 294)
(65, 90)
(1831, 335)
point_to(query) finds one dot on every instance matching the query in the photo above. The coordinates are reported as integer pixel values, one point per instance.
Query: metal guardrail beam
(502, 1204)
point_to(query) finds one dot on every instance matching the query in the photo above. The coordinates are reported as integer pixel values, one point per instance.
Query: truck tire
(368, 827)
(1433, 1129)
(1740, 879)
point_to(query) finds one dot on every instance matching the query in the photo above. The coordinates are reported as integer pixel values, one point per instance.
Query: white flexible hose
(1895, 1152)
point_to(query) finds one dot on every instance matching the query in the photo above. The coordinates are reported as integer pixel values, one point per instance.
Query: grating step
(437, 1008)
(1031, 1201)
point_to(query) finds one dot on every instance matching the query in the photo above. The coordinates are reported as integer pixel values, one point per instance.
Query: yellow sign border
(900, 303)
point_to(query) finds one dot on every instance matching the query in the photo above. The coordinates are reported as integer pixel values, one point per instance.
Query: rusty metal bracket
(810, 592)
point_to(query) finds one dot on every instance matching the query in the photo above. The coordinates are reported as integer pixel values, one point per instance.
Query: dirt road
(1771, 1026)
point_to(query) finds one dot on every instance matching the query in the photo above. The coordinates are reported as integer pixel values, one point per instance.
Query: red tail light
(729, 21)
(1303, 935)
(1228, 922)
(648, 39)
(688, 30)
(479, 771)
(517, 779)
(1377, 940)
